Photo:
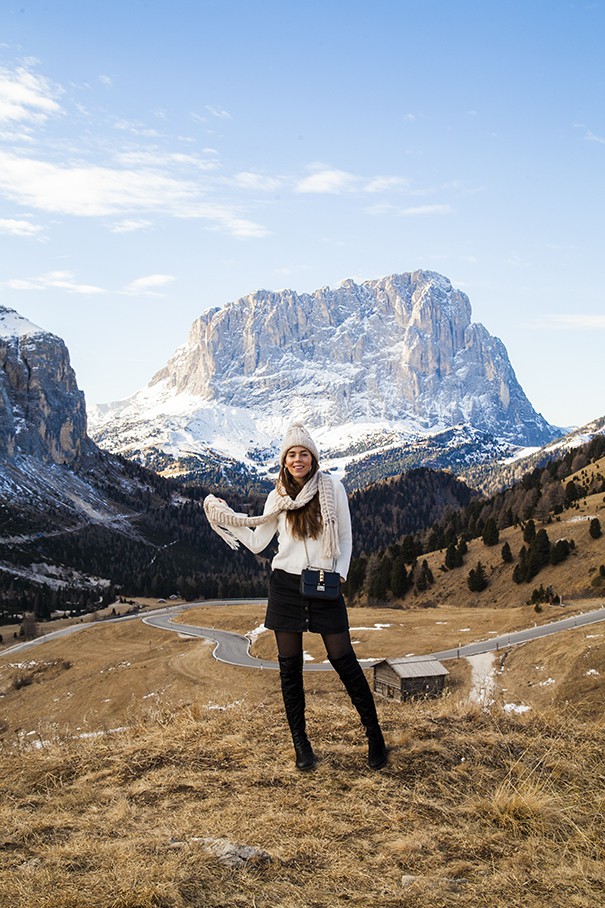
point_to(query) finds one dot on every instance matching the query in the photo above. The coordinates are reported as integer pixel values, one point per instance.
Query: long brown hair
(305, 522)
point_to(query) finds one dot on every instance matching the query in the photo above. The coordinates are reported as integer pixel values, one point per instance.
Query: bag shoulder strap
(307, 556)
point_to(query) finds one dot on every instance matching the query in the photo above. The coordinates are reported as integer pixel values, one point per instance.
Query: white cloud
(137, 129)
(26, 96)
(241, 227)
(331, 182)
(384, 184)
(19, 228)
(60, 280)
(575, 321)
(218, 112)
(89, 190)
(20, 284)
(591, 137)
(257, 181)
(130, 225)
(98, 191)
(156, 159)
(148, 285)
(420, 210)
(106, 81)
(381, 208)
(387, 208)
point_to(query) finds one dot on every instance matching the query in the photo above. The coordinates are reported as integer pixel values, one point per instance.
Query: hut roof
(415, 666)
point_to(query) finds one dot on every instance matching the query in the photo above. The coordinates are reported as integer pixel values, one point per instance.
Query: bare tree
(29, 628)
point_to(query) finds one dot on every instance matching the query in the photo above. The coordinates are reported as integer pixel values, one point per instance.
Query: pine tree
(595, 528)
(518, 573)
(376, 581)
(356, 576)
(490, 534)
(425, 578)
(477, 579)
(410, 549)
(507, 555)
(541, 547)
(559, 551)
(399, 577)
(529, 532)
(453, 558)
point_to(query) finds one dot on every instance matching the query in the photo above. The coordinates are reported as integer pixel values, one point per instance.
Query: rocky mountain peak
(370, 367)
(399, 348)
(42, 411)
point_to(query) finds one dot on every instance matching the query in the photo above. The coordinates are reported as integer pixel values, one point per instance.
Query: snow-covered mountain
(366, 366)
(42, 410)
(501, 472)
(75, 522)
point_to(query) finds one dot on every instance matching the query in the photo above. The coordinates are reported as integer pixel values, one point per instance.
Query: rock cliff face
(392, 349)
(42, 411)
(366, 366)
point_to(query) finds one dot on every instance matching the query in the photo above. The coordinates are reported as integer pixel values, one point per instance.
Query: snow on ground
(98, 734)
(482, 679)
(519, 453)
(22, 665)
(516, 708)
(255, 634)
(27, 739)
(377, 627)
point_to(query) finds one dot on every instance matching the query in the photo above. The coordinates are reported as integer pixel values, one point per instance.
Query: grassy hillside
(578, 576)
(477, 806)
(475, 809)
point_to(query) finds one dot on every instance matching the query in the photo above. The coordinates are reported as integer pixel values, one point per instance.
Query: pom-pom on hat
(297, 436)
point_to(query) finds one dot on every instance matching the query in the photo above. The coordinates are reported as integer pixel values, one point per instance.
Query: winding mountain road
(234, 649)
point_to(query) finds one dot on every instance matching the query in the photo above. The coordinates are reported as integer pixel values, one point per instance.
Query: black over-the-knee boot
(293, 692)
(352, 676)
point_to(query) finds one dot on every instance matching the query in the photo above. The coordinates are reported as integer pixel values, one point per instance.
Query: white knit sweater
(291, 556)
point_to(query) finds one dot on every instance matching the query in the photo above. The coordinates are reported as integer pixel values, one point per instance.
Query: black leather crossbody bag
(317, 583)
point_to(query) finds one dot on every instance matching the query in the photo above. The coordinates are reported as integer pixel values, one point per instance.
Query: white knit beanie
(297, 436)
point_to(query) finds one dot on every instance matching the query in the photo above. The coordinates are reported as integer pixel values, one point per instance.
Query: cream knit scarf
(221, 516)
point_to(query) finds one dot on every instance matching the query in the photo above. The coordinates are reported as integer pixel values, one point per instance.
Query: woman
(309, 513)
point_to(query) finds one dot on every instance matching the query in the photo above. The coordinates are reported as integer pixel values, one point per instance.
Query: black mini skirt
(287, 610)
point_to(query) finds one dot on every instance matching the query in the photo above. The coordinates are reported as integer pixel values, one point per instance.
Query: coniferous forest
(171, 549)
(385, 569)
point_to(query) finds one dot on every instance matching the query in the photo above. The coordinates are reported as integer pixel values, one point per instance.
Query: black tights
(289, 643)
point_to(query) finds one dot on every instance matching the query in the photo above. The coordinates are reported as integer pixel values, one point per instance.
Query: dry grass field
(127, 753)
(475, 808)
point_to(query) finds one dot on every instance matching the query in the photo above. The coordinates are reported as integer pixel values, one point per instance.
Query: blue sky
(159, 158)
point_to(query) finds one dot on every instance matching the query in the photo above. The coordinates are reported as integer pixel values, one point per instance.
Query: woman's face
(299, 462)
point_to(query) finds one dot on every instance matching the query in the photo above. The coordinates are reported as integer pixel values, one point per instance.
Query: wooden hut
(414, 676)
